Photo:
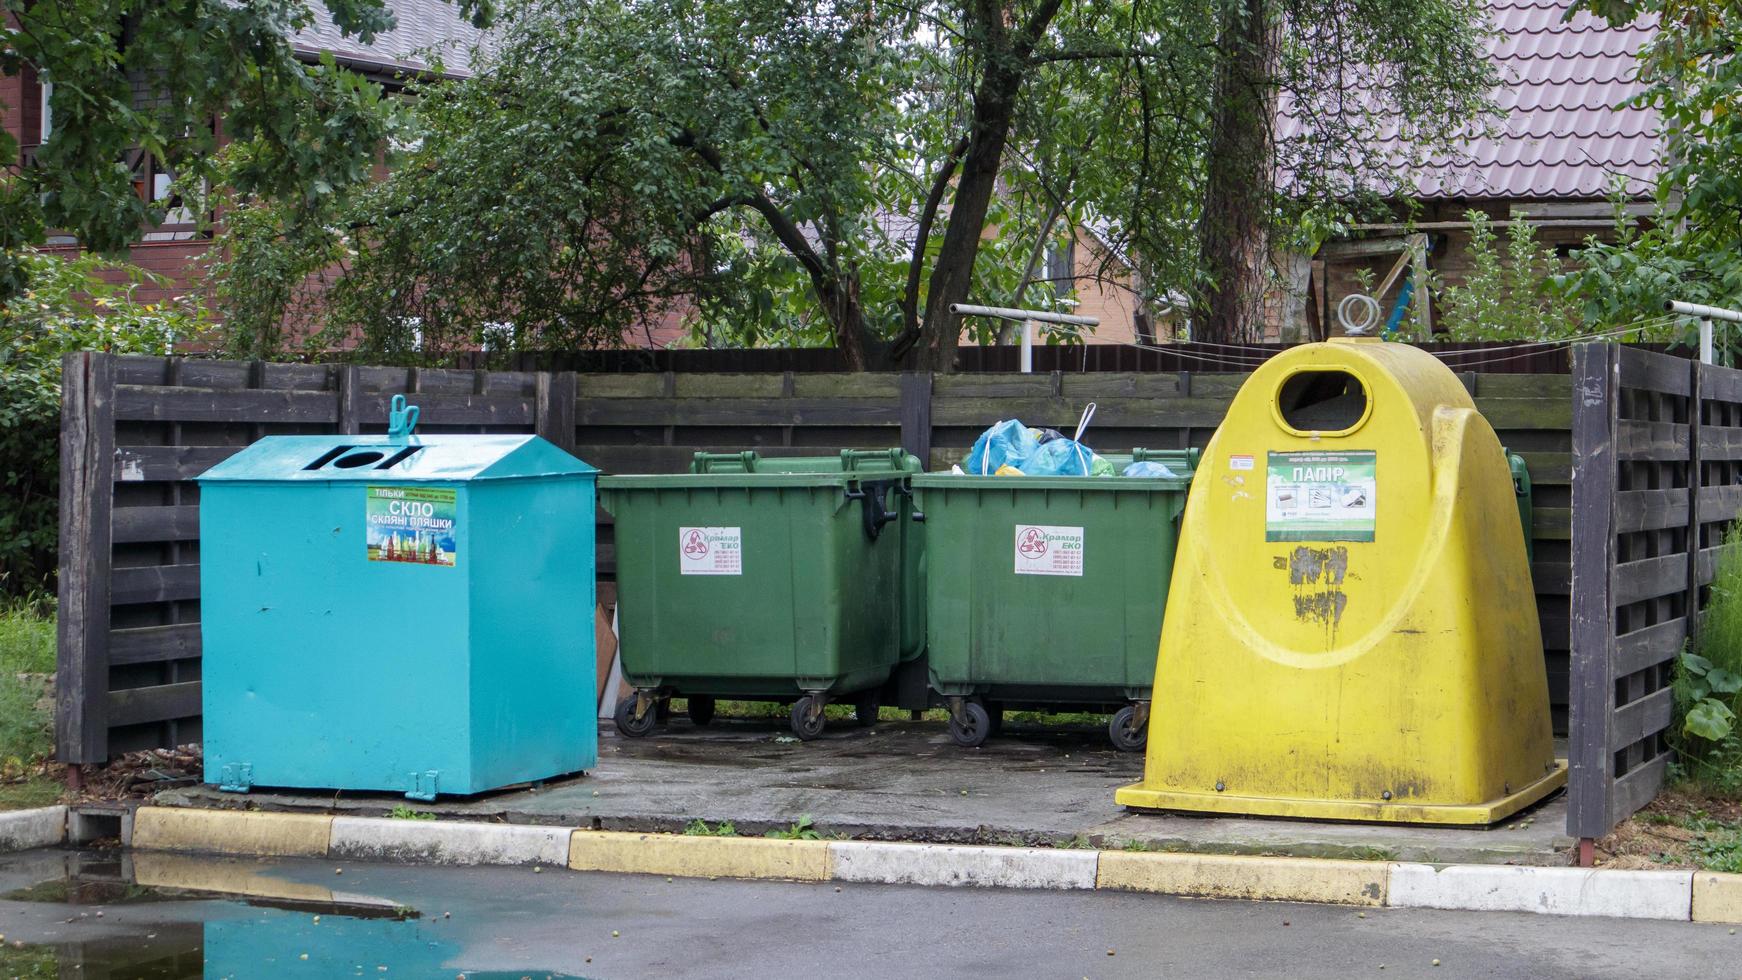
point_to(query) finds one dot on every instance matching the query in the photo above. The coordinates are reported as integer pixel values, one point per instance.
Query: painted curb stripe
(231, 832)
(1275, 879)
(21, 830)
(1554, 891)
(1675, 895)
(699, 857)
(944, 864)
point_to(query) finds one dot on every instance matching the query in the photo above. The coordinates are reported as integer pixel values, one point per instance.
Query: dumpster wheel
(1129, 729)
(807, 716)
(970, 726)
(628, 722)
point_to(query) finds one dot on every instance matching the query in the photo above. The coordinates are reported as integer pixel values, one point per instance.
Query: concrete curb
(1680, 895)
(21, 830)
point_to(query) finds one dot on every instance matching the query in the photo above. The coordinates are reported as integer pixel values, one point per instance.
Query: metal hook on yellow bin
(1351, 631)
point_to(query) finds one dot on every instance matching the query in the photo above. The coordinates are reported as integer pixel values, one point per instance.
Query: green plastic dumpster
(1521, 488)
(791, 579)
(1046, 592)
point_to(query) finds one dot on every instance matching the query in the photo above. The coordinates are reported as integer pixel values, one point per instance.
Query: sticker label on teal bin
(710, 550)
(1321, 496)
(413, 525)
(1046, 549)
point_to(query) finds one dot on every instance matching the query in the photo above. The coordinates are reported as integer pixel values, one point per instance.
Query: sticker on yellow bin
(413, 525)
(1321, 496)
(710, 550)
(1043, 549)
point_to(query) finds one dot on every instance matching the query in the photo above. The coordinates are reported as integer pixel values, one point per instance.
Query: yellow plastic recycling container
(1351, 632)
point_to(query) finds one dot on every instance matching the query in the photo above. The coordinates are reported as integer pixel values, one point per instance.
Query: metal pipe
(1028, 346)
(1704, 312)
(1007, 313)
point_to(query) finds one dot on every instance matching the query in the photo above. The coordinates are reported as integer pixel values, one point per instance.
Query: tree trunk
(1237, 199)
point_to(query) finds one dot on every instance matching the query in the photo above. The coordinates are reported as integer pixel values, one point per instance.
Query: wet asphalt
(399, 921)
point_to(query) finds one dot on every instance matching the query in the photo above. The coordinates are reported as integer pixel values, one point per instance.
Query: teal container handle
(705, 462)
(401, 418)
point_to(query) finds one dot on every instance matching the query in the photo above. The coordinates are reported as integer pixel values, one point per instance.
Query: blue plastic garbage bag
(1065, 457)
(1009, 442)
(1149, 469)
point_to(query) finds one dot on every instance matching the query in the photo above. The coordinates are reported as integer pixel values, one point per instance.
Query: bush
(1707, 685)
(26, 649)
(66, 307)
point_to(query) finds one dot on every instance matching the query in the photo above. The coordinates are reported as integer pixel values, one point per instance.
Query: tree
(1692, 248)
(135, 77)
(1335, 100)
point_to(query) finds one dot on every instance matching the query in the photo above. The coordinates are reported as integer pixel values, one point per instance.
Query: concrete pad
(904, 780)
(699, 857)
(1552, 891)
(1717, 897)
(944, 864)
(447, 842)
(231, 832)
(21, 830)
(1269, 879)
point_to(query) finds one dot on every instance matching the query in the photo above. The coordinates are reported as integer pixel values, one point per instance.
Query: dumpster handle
(401, 418)
(871, 495)
(705, 462)
(917, 516)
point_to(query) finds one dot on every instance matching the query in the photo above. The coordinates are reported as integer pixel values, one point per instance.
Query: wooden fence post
(1591, 696)
(87, 492)
(350, 391)
(553, 410)
(916, 416)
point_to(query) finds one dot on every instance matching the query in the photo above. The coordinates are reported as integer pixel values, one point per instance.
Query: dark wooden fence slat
(1637, 719)
(167, 463)
(1638, 786)
(154, 583)
(739, 412)
(916, 417)
(1648, 646)
(1645, 510)
(165, 702)
(135, 524)
(1652, 372)
(1637, 439)
(154, 644)
(1649, 578)
(139, 403)
(554, 408)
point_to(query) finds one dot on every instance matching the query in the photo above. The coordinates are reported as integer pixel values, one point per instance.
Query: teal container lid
(375, 458)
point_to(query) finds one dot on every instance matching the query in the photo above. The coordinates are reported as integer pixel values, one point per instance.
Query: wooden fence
(137, 430)
(1657, 442)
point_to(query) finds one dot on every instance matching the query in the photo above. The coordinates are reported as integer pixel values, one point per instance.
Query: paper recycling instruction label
(710, 550)
(1042, 549)
(413, 525)
(1320, 496)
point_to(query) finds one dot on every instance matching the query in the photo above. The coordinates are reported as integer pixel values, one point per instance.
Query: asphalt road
(516, 922)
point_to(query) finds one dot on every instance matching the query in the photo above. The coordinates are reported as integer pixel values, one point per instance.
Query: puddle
(168, 917)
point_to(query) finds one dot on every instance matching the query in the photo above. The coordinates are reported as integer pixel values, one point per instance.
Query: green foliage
(804, 829)
(27, 657)
(402, 812)
(67, 305)
(1707, 683)
(1693, 249)
(1507, 294)
(700, 828)
(27, 636)
(298, 131)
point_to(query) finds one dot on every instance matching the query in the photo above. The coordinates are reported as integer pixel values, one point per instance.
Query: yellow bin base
(1492, 811)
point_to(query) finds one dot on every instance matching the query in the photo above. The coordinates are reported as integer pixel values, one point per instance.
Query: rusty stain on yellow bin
(1351, 631)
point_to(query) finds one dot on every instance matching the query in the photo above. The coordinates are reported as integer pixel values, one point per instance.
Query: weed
(1139, 846)
(27, 636)
(1707, 684)
(700, 828)
(1079, 842)
(403, 812)
(804, 829)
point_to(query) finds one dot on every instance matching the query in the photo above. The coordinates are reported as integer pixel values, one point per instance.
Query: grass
(1685, 827)
(26, 728)
(402, 812)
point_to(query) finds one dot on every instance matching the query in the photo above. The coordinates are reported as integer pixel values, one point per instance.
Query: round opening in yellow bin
(1351, 631)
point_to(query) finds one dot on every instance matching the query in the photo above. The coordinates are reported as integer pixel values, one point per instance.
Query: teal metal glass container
(399, 613)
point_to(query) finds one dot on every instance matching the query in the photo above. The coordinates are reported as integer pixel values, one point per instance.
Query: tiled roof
(1561, 131)
(423, 26)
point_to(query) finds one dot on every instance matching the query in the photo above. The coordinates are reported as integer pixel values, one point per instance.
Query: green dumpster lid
(1182, 461)
(750, 469)
(374, 458)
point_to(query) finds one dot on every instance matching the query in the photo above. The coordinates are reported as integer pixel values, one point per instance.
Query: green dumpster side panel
(815, 604)
(1050, 638)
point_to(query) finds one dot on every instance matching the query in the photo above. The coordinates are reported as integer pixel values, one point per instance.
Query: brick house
(177, 249)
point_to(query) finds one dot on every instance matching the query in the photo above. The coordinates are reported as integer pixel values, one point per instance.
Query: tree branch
(940, 185)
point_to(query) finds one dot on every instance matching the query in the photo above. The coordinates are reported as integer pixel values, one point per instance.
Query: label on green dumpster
(414, 525)
(1043, 549)
(1320, 496)
(710, 550)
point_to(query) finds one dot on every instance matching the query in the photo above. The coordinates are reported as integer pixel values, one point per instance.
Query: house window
(1061, 267)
